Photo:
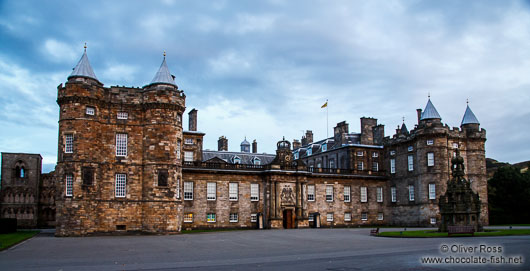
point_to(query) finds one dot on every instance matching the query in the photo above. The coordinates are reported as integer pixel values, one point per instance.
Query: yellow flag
(324, 105)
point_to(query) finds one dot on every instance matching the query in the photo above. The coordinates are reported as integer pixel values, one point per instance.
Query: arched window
(20, 170)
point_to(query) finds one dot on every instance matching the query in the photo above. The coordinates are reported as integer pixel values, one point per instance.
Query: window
(296, 155)
(310, 193)
(21, 172)
(233, 217)
(211, 191)
(188, 218)
(68, 143)
(122, 115)
(411, 162)
(375, 154)
(393, 194)
(188, 190)
(254, 192)
(69, 186)
(393, 165)
(379, 216)
(90, 110)
(379, 194)
(331, 163)
(432, 191)
(210, 217)
(430, 159)
(455, 145)
(232, 190)
(360, 165)
(237, 160)
(253, 217)
(430, 142)
(309, 151)
(364, 216)
(329, 192)
(411, 192)
(364, 194)
(188, 141)
(410, 148)
(329, 217)
(311, 217)
(347, 194)
(433, 220)
(178, 149)
(121, 144)
(162, 177)
(392, 153)
(324, 147)
(347, 216)
(375, 166)
(178, 188)
(87, 174)
(188, 156)
(121, 181)
(360, 153)
(257, 161)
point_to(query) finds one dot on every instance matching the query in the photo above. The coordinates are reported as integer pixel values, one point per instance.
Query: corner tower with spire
(119, 155)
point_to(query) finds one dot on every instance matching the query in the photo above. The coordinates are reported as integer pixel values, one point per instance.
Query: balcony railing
(206, 165)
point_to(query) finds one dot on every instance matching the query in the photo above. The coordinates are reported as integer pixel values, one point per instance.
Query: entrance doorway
(288, 219)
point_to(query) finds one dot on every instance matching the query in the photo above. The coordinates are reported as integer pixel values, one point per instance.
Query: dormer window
(257, 161)
(122, 115)
(309, 151)
(324, 147)
(296, 155)
(237, 160)
(90, 110)
(410, 148)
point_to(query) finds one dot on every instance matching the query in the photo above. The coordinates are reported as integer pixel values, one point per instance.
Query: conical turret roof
(430, 112)
(83, 68)
(245, 142)
(404, 129)
(163, 76)
(469, 117)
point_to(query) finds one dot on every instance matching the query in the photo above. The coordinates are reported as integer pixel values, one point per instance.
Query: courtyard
(298, 249)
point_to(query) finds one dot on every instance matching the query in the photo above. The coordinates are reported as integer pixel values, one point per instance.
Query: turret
(430, 115)
(469, 121)
(245, 146)
(83, 71)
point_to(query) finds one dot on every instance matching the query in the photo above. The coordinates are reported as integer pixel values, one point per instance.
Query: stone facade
(27, 194)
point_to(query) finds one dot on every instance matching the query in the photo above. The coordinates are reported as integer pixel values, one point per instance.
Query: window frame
(188, 218)
(90, 111)
(364, 194)
(347, 193)
(311, 196)
(375, 166)
(253, 217)
(163, 175)
(120, 185)
(188, 155)
(211, 191)
(122, 115)
(210, 218)
(380, 216)
(410, 148)
(254, 192)
(430, 142)
(411, 193)
(69, 185)
(68, 143)
(393, 194)
(410, 162)
(364, 216)
(329, 217)
(188, 191)
(233, 218)
(121, 144)
(430, 159)
(347, 217)
(432, 191)
(392, 165)
(329, 196)
(379, 194)
(233, 195)
(360, 165)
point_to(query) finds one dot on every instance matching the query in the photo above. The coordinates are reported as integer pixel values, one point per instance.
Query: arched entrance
(288, 219)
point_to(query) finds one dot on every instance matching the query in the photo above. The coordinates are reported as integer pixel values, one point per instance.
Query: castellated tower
(118, 166)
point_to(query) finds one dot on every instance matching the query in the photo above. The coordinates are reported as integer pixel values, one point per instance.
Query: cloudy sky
(262, 69)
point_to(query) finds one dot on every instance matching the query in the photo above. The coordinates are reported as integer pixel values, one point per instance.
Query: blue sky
(262, 69)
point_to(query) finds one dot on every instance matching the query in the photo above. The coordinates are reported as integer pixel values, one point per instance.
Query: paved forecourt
(299, 249)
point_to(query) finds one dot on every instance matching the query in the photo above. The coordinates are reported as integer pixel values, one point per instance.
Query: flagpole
(327, 120)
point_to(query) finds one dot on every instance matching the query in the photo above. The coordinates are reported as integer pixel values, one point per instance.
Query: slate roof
(163, 76)
(430, 112)
(246, 157)
(83, 68)
(469, 117)
(404, 129)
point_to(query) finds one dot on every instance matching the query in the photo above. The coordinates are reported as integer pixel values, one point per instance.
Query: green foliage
(10, 239)
(509, 196)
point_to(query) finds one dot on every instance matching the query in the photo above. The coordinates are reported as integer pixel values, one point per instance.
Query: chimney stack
(193, 120)
(419, 115)
(254, 146)
(296, 144)
(309, 136)
(222, 144)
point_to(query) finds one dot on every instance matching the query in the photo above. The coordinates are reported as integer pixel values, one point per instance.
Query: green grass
(511, 225)
(11, 239)
(434, 233)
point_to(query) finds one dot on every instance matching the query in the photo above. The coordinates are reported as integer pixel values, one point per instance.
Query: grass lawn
(10, 239)
(434, 233)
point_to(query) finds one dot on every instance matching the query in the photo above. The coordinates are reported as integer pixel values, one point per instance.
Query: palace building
(125, 164)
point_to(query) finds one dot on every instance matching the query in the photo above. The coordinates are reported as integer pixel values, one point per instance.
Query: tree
(509, 196)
